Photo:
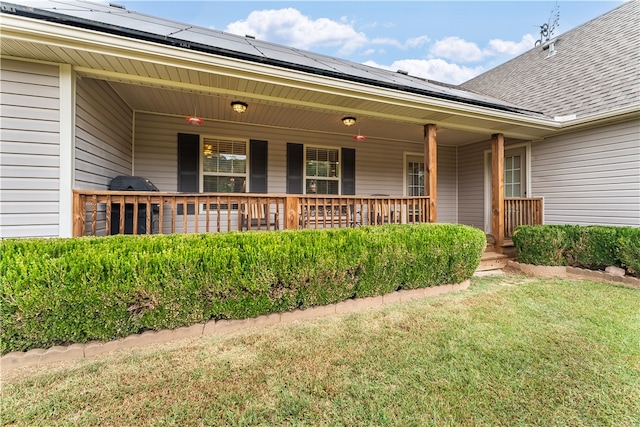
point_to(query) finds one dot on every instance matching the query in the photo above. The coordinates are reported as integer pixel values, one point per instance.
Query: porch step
(492, 261)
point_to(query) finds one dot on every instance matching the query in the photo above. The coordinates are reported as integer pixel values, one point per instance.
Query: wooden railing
(99, 213)
(521, 211)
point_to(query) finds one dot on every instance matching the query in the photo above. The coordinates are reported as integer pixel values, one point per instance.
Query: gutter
(623, 113)
(43, 15)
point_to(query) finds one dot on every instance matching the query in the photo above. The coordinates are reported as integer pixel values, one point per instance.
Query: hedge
(594, 247)
(61, 291)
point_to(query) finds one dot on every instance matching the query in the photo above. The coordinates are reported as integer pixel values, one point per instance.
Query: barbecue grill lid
(131, 183)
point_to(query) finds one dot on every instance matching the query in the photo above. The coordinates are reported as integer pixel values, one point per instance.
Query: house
(237, 133)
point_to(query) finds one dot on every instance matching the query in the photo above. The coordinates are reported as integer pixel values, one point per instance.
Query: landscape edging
(39, 356)
(568, 271)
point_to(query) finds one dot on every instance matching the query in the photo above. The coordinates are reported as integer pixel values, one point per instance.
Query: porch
(100, 213)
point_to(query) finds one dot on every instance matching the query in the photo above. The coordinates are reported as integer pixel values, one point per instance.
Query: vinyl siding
(379, 164)
(590, 177)
(30, 149)
(103, 135)
(471, 184)
(447, 197)
(103, 143)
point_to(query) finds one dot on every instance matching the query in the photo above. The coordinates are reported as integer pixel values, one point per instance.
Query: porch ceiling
(169, 80)
(280, 115)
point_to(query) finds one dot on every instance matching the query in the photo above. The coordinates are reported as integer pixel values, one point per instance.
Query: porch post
(497, 189)
(430, 169)
(291, 212)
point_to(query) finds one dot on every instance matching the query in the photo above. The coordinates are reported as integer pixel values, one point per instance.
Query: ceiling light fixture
(349, 121)
(239, 107)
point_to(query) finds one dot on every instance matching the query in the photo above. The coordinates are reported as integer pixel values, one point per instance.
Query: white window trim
(304, 169)
(405, 157)
(67, 90)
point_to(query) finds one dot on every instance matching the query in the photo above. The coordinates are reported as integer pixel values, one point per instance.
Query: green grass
(509, 351)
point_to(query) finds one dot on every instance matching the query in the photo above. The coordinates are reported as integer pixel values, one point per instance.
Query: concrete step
(492, 261)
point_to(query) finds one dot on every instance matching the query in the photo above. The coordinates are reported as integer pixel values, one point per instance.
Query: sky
(446, 41)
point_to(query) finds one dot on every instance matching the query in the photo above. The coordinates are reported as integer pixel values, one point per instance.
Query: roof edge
(59, 18)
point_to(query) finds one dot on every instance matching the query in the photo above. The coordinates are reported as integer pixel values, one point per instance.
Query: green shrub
(628, 250)
(59, 291)
(593, 247)
(542, 244)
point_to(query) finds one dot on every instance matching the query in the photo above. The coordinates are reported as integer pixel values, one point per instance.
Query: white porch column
(67, 150)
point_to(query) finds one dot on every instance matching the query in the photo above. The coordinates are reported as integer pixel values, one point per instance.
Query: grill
(132, 183)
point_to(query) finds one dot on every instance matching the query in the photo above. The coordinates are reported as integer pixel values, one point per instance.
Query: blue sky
(447, 41)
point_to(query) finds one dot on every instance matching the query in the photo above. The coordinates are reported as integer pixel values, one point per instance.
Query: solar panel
(119, 20)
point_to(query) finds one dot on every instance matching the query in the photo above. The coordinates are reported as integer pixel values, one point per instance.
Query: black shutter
(258, 166)
(348, 171)
(188, 166)
(295, 159)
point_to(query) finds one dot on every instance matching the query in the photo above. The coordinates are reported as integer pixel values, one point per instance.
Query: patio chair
(257, 216)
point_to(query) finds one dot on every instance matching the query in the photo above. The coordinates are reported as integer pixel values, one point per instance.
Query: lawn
(511, 350)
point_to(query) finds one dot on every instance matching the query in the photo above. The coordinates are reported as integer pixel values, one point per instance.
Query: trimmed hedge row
(594, 247)
(60, 291)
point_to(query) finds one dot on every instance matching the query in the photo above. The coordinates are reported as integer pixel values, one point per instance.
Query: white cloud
(445, 61)
(292, 28)
(457, 49)
(433, 69)
(386, 41)
(512, 48)
(460, 50)
(417, 41)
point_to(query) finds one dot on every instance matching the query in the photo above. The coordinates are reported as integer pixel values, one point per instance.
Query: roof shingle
(596, 69)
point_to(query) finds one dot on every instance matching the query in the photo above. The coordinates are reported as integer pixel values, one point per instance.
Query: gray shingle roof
(596, 69)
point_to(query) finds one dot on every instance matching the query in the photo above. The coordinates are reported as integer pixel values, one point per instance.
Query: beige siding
(103, 135)
(590, 177)
(30, 149)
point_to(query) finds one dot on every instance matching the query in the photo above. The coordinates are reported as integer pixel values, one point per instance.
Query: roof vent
(249, 36)
(406, 73)
(551, 47)
(119, 6)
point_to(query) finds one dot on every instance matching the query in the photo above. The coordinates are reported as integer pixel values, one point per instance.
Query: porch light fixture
(349, 121)
(239, 107)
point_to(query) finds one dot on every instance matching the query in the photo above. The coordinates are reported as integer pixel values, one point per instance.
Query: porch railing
(99, 213)
(521, 211)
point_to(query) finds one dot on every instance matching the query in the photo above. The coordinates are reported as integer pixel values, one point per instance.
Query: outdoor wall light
(349, 121)
(239, 107)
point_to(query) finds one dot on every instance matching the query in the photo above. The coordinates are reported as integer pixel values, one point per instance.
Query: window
(224, 165)
(322, 171)
(512, 176)
(415, 176)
